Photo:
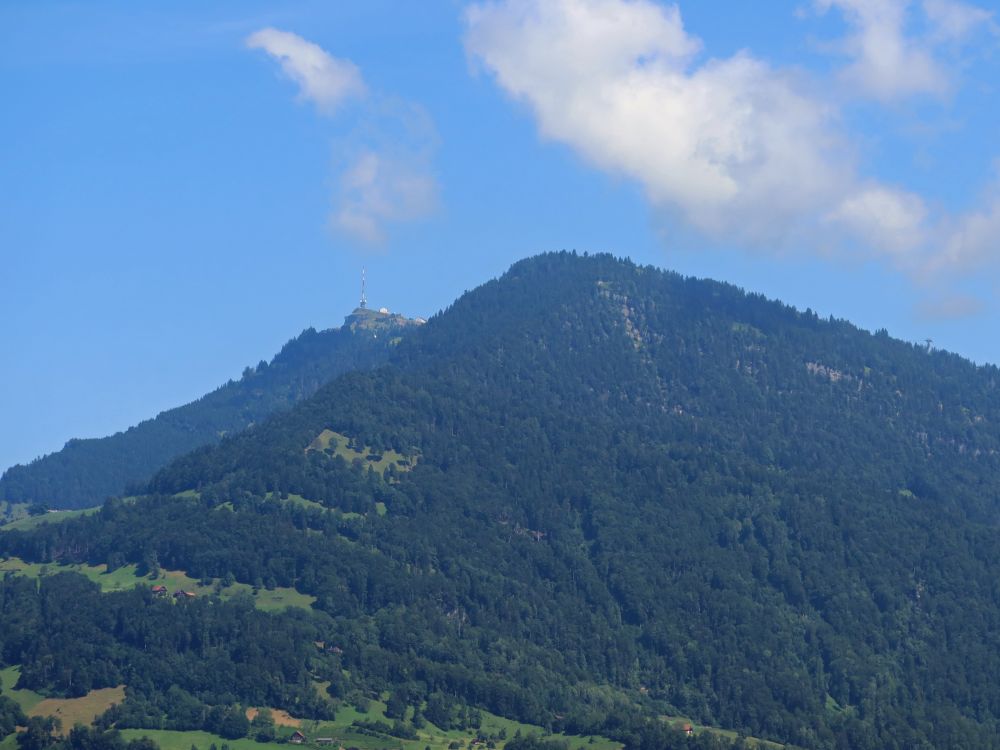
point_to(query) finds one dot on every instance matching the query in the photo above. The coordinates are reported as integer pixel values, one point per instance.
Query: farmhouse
(687, 729)
(324, 740)
(297, 738)
(184, 595)
(159, 590)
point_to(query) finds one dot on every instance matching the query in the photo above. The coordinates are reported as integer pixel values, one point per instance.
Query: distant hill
(588, 495)
(85, 472)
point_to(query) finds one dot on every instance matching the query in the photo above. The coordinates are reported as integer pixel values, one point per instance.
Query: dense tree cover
(634, 494)
(42, 734)
(11, 716)
(185, 664)
(85, 472)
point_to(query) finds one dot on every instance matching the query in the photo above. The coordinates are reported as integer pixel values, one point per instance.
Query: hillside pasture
(84, 710)
(341, 731)
(120, 579)
(26, 699)
(12, 511)
(333, 444)
(126, 577)
(24, 523)
(729, 734)
(174, 740)
(281, 718)
(269, 600)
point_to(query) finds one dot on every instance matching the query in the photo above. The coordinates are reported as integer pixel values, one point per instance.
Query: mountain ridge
(86, 471)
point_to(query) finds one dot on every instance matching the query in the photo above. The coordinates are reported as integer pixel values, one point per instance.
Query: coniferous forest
(585, 496)
(85, 472)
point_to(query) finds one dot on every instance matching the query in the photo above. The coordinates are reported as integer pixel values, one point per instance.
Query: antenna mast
(364, 299)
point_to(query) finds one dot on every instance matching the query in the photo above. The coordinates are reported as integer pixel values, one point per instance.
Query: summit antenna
(364, 300)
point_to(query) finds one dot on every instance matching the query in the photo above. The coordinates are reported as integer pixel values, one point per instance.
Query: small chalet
(297, 738)
(688, 729)
(184, 595)
(159, 590)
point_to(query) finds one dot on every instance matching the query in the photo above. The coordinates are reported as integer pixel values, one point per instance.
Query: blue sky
(186, 186)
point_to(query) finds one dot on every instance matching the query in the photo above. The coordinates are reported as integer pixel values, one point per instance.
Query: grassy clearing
(12, 511)
(747, 328)
(118, 580)
(342, 733)
(269, 600)
(171, 740)
(290, 499)
(126, 578)
(281, 718)
(26, 699)
(729, 734)
(83, 710)
(335, 444)
(299, 500)
(281, 598)
(312, 505)
(53, 516)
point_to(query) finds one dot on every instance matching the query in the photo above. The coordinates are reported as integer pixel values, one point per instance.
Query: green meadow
(26, 699)
(171, 740)
(335, 444)
(126, 577)
(343, 733)
(56, 516)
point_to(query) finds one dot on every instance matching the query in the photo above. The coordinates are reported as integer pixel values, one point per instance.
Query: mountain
(85, 472)
(587, 495)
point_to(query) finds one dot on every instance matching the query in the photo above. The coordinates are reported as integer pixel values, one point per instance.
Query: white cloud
(384, 171)
(972, 241)
(734, 145)
(322, 78)
(384, 175)
(891, 220)
(735, 148)
(956, 21)
(377, 190)
(892, 60)
(887, 64)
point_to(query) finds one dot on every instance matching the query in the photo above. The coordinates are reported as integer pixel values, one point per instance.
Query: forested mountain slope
(589, 494)
(85, 472)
